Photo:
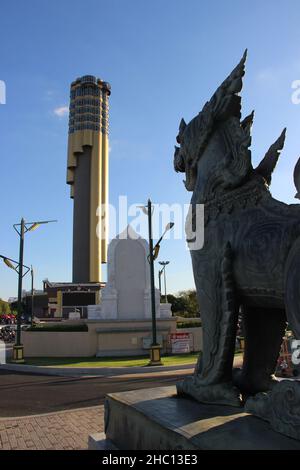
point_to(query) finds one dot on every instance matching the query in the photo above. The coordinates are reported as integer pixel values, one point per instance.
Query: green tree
(184, 304)
(4, 307)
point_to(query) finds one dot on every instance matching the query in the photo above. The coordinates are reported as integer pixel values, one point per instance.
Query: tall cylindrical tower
(87, 173)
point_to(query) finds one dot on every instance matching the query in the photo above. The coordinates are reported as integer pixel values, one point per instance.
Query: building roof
(72, 284)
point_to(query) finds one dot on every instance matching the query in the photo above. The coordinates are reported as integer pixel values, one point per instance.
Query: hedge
(57, 328)
(191, 324)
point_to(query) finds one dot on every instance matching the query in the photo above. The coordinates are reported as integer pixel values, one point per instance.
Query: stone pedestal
(127, 294)
(165, 310)
(156, 419)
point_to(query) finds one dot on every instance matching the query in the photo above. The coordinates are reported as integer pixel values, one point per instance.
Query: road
(27, 394)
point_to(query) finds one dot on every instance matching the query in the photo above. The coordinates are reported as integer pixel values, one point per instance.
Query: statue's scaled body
(250, 260)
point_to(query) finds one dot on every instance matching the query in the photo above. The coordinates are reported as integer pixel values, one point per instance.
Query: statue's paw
(252, 384)
(218, 394)
(280, 407)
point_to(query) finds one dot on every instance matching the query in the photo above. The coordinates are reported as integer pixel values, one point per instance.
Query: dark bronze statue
(250, 261)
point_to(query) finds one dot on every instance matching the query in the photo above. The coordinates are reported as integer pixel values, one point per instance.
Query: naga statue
(250, 259)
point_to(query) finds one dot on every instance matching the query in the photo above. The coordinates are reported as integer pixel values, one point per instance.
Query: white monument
(127, 294)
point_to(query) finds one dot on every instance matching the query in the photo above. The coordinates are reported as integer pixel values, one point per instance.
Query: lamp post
(22, 229)
(155, 353)
(163, 271)
(159, 279)
(32, 294)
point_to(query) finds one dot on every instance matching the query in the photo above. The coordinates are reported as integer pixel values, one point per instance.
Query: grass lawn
(141, 361)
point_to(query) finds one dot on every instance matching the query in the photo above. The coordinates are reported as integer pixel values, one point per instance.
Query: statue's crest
(218, 138)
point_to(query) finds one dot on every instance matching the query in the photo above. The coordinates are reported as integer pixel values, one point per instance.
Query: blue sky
(163, 59)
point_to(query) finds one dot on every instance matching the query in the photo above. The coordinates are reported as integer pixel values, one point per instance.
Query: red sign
(180, 343)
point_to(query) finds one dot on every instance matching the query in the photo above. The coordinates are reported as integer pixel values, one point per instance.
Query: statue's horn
(297, 178)
(235, 78)
(182, 127)
(225, 101)
(248, 121)
(268, 163)
(233, 82)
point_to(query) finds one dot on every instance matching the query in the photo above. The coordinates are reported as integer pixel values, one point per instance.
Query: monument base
(157, 419)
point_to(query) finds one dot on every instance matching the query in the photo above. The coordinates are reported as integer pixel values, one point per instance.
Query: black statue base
(156, 419)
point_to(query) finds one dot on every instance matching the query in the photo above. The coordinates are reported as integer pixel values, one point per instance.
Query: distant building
(87, 175)
(40, 304)
(58, 299)
(66, 297)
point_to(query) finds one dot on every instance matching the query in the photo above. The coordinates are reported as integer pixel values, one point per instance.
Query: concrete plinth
(156, 419)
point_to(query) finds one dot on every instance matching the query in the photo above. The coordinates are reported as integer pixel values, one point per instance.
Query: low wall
(128, 337)
(103, 338)
(58, 344)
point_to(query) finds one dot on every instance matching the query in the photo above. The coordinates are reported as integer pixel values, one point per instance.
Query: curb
(91, 371)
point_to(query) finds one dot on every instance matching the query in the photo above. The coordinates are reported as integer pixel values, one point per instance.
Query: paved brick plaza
(64, 430)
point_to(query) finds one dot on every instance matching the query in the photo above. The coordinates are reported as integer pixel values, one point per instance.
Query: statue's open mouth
(181, 166)
(190, 180)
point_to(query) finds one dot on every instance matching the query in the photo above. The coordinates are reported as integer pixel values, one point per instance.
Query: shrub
(56, 328)
(188, 324)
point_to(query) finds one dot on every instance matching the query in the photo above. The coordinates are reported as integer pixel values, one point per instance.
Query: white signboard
(148, 341)
(180, 343)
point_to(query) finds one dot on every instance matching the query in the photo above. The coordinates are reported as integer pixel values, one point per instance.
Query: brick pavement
(63, 430)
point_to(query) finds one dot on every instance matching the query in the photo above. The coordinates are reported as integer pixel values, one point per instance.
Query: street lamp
(12, 264)
(8, 262)
(22, 229)
(163, 270)
(155, 354)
